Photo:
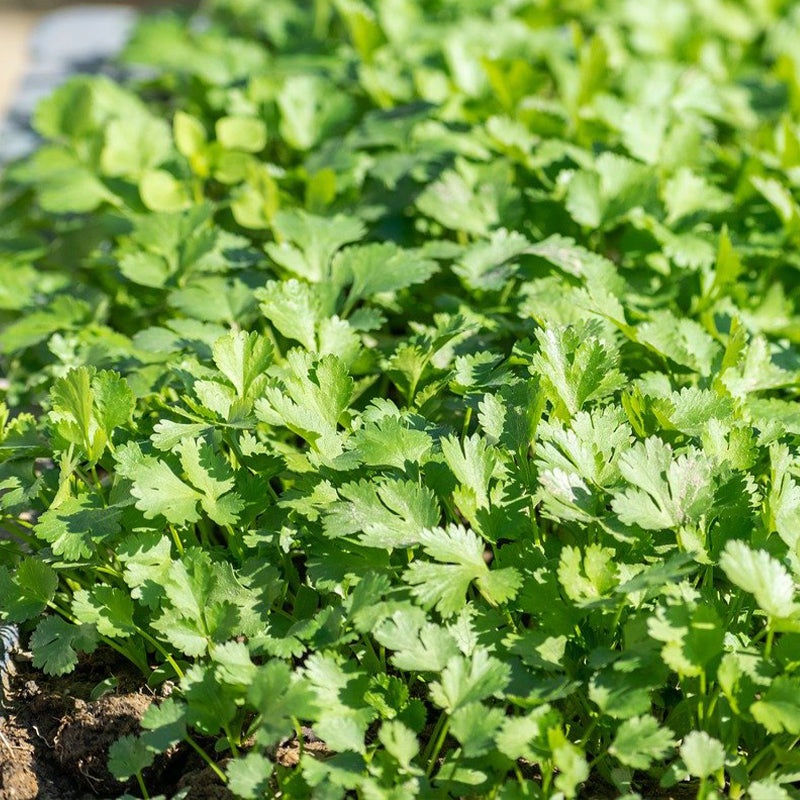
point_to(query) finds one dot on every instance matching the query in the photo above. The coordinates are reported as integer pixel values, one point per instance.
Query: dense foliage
(422, 376)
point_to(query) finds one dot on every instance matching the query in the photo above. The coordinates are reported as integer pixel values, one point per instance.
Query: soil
(55, 739)
(84, 737)
(54, 743)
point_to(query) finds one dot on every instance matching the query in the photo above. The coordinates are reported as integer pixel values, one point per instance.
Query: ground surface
(55, 740)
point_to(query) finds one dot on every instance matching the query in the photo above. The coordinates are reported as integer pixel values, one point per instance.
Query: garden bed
(401, 401)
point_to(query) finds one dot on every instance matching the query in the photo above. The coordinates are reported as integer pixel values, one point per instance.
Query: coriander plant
(422, 376)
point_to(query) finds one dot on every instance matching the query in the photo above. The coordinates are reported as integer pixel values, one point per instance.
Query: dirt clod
(84, 736)
(202, 784)
(38, 747)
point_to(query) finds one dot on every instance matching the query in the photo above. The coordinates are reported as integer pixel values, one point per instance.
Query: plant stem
(202, 753)
(467, 419)
(140, 780)
(167, 656)
(231, 740)
(177, 539)
(768, 644)
(19, 532)
(437, 747)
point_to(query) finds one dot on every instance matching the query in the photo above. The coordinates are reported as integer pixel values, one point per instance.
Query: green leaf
(249, 777)
(55, 644)
(576, 366)
(294, 308)
(702, 754)
(400, 743)
(472, 462)
(375, 268)
(128, 756)
(778, 710)
(475, 726)
(758, 573)
(418, 645)
(110, 610)
(158, 491)
(311, 398)
(387, 515)
(160, 191)
(28, 592)
(640, 741)
(164, 725)
(679, 339)
(77, 526)
(87, 406)
(307, 242)
(468, 680)
(242, 133)
(309, 108)
(669, 491)
(280, 696)
(459, 553)
(390, 442)
(243, 359)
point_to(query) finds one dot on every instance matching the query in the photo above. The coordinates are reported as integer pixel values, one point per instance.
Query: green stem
(437, 747)
(139, 778)
(19, 532)
(372, 656)
(768, 644)
(167, 656)
(759, 757)
(98, 483)
(588, 732)
(177, 539)
(702, 700)
(298, 730)
(523, 783)
(202, 753)
(467, 419)
(231, 741)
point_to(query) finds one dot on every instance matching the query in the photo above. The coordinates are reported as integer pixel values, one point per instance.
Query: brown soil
(288, 751)
(54, 743)
(55, 739)
(84, 737)
(203, 785)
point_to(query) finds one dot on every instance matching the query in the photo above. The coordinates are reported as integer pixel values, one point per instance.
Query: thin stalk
(372, 656)
(19, 532)
(467, 419)
(202, 753)
(234, 542)
(768, 644)
(588, 732)
(437, 747)
(140, 780)
(231, 741)
(298, 730)
(177, 539)
(98, 483)
(434, 733)
(701, 714)
(167, 655)
(521, 780)
(759, 757)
